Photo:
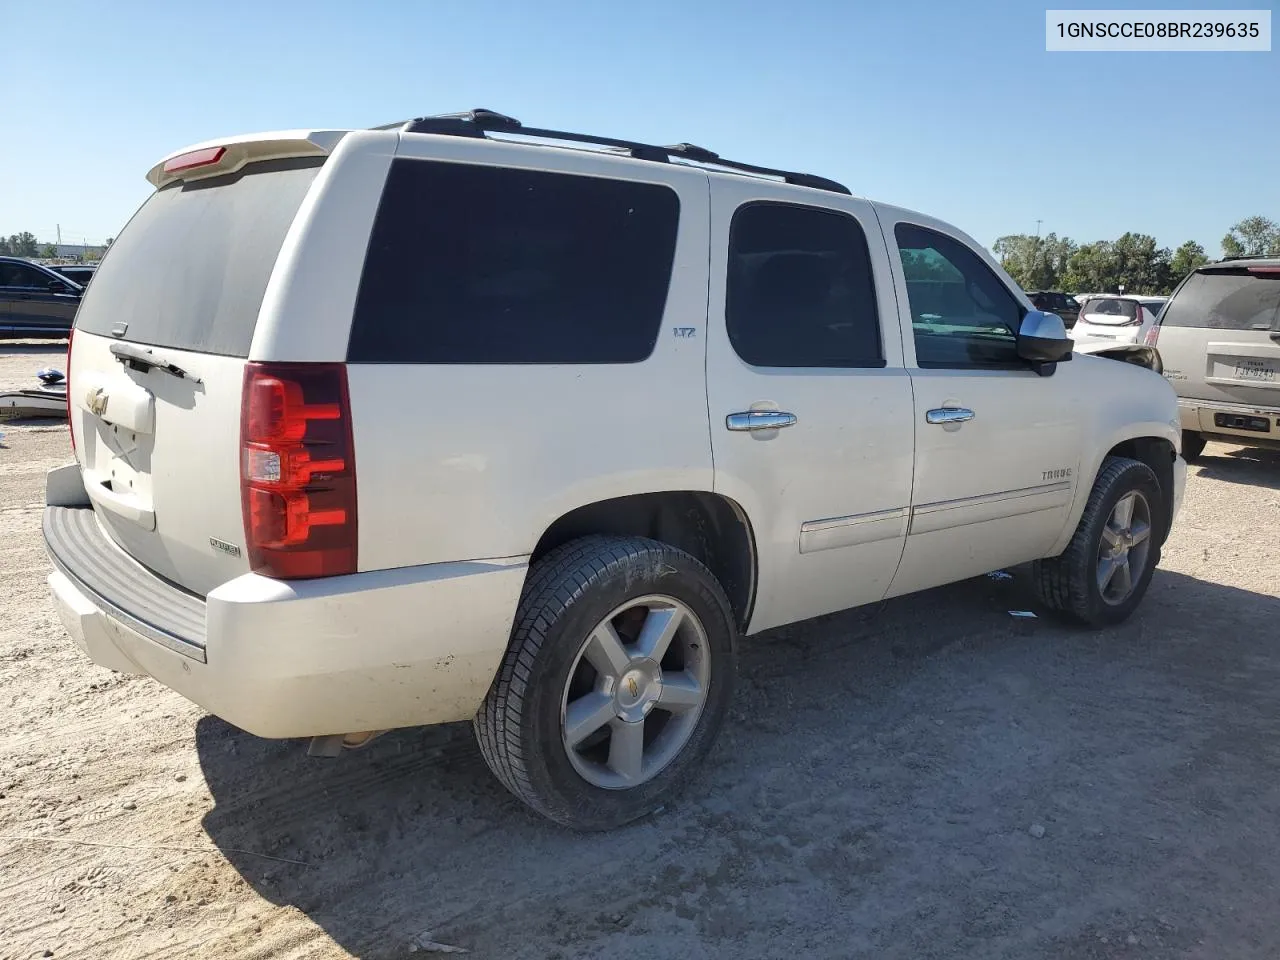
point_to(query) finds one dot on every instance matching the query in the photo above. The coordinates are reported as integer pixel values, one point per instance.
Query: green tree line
(1133, 262)
(20, 245)
(25, 245)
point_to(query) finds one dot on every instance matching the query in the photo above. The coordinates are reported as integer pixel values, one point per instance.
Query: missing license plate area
(1236, 421)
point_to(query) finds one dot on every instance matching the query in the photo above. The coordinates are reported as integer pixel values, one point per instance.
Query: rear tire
(1192, 445)
(1103, 574)
(615, 684)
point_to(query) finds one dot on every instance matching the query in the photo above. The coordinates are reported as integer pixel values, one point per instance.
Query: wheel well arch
(1158, 454)
(711, 527)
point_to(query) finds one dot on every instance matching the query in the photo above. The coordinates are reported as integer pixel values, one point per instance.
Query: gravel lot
(930, 778)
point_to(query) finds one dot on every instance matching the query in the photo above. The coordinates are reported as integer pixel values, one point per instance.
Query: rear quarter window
(1226, 300)
(476, 264)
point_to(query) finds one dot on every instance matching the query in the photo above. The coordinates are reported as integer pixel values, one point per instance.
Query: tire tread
(554, 584)
(1061, 581)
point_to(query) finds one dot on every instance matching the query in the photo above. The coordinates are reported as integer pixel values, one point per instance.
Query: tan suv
(1220, 342)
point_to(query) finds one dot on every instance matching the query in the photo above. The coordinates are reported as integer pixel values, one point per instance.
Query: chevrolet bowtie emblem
(96, 400)
(633, 686)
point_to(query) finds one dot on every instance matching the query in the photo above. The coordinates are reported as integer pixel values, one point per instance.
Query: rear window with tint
(473, 264)
(800, 290)
(1226, 300)
(190, 269)
(1111, 309)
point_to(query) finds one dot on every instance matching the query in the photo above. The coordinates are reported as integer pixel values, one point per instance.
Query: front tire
(615, 684)
(1103, 574)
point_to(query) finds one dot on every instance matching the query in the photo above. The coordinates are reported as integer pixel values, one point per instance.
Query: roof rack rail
(481, 122)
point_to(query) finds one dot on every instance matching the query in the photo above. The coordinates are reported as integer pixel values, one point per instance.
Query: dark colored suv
(1053, 301)
(81, 273)
(35, 301)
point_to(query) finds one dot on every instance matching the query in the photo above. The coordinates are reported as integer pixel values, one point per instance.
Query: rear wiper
(136, 358)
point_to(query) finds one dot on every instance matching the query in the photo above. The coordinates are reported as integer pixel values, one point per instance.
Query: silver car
(1219, 337)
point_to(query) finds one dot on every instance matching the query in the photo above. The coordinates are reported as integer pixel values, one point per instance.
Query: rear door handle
(948, 415)
(759, 420)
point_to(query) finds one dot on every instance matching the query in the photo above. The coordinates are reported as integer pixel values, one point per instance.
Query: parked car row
(1218, 337)
(81, 273)
(1055, 301)
(36, 301)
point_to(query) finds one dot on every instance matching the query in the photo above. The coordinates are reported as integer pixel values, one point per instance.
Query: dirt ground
(927, 779)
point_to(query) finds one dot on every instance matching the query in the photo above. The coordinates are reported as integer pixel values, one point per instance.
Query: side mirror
(1043, 342)
(57, 286)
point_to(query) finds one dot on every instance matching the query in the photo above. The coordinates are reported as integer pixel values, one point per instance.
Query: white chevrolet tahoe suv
(462, 420)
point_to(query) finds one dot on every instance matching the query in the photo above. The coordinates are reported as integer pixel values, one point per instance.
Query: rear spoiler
(218, 157)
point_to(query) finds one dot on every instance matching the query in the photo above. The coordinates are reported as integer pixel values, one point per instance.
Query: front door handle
(759, 420)
(948, 415)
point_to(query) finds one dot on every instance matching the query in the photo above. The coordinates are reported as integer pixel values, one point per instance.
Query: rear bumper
(1088, 339)
(1203, 416)
(370, 651)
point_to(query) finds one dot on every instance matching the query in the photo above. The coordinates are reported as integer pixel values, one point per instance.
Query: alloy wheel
(635, 692)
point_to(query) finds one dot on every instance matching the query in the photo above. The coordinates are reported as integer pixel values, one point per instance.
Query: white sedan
(1118, 319)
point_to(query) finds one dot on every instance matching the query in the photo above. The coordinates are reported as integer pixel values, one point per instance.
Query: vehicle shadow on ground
(870, 796)
(33, 421)
(43, 346)
(1250, 466)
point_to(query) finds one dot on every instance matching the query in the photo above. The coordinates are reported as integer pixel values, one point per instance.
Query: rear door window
(800, 290)
(1226, 300)
(478, 264)
(190, 269)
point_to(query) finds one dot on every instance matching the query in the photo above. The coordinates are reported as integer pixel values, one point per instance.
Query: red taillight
(196, 158)
(1153, 335)
(66, 382)
(297, 470)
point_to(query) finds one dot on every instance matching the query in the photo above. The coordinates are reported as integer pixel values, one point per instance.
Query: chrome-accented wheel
(1123, 547)
(635, 692)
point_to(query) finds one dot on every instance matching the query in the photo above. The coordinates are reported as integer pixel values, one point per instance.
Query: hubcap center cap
(638, 690)
(1124, 543)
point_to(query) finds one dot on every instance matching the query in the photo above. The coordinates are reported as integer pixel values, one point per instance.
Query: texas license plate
(1263, 371)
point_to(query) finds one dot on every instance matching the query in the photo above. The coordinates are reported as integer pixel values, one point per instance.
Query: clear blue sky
(951, 108)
